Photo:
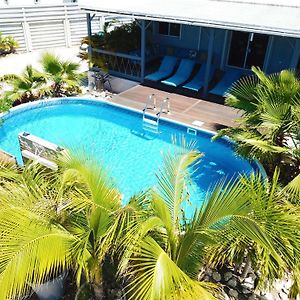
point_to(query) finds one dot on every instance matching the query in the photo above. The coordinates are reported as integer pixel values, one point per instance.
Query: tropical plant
(74, 217)
(263, 235)
(270, 126)
(8, 44)
(248, 219)
(63, 76)
(51, 222)
(24, 87)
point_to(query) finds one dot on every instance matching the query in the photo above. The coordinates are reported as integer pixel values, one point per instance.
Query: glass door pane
(257, 50)
(238, 48)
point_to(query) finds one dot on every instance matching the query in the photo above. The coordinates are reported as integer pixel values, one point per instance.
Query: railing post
(209, 60)
(26, 32)
(67, 29)
(143, 49)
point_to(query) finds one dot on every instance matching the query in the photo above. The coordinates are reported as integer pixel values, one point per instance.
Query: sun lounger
(182, 74)
(226, 82)
(198, 81)
(166, 68)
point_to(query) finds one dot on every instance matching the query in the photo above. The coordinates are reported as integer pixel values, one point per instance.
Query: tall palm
(163, 252)
(54, 222)
(24, 87)
(63, 75)
(270, 125)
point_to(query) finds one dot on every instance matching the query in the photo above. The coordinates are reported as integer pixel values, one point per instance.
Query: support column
(67, 29)
(268, 54)
(209, 59)
(143, 49)
(89, 30)
(199, 38)
(26, 32)
(296, 54)
(224, 50)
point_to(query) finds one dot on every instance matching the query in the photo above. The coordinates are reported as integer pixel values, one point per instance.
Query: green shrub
(8, 44)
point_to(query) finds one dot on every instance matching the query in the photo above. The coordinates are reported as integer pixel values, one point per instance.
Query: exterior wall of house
(282, 52)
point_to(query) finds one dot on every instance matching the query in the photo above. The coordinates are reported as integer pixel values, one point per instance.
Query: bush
(7, 44)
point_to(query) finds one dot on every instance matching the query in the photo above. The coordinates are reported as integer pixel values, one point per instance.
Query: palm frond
(173, 179)
(31, 250)
(156, 276)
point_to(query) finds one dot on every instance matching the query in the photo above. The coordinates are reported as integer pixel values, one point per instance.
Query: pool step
(150, 123)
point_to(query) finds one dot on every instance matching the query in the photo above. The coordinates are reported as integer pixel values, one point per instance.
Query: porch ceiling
(276, 17)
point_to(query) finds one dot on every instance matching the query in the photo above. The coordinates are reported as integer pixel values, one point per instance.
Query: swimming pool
(115, 137)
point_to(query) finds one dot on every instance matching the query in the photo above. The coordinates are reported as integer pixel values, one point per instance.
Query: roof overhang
(277, 17)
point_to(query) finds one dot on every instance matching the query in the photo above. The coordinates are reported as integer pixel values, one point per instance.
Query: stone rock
(288, 284)
(209, 272)
(225, 296)
(206, 278)
(227, 276)
(246, 291)
(266, 296)
(249, 280)
(252, 297)
(233, 293)
(216, 276)
(283, 295)
(248, 286)
(278, 285)
(232, 282)
(119, 294)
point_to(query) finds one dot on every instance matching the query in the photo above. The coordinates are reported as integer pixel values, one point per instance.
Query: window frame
(244, 67)
(169, 26)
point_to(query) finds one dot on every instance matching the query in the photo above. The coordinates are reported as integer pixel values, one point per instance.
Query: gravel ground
(15, 63)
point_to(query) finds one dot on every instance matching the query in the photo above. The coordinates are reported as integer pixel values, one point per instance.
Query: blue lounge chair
(166, 69)
(226, 82)
(198, 81)
(182, 74)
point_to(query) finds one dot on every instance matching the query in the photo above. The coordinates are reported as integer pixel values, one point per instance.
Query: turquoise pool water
(115, 137)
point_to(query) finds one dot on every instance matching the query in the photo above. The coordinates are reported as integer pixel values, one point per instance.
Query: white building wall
(10, 3)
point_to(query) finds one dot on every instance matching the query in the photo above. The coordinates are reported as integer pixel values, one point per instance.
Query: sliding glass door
(247, 49)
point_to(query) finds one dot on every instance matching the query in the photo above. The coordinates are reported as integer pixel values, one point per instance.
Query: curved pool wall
(115, 137)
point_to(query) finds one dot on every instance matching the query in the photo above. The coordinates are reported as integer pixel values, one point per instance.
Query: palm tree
(72, 220)
(63, 75)
(24, 87)
(248, 219)
(270, 125)
(51, 222)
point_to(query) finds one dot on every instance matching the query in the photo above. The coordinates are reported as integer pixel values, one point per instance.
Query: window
(247, 49)
(171, 29)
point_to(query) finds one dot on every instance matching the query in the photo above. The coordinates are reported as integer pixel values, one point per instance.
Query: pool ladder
(150, 121)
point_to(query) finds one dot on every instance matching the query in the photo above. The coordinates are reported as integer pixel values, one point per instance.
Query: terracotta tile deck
(183, 109)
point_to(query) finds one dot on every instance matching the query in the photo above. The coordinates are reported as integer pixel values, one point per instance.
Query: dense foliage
(269, 129)
(115, 37)
(57, 78)
(75, 216)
